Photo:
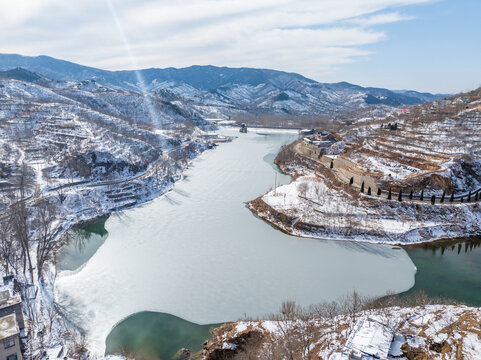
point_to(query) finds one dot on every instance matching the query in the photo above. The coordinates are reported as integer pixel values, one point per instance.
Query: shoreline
(451, 239)
(369, 219)
(290, 218)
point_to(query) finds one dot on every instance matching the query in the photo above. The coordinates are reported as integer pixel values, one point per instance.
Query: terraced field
(427, 151)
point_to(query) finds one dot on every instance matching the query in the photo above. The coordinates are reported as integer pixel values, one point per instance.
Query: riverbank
(308, 207)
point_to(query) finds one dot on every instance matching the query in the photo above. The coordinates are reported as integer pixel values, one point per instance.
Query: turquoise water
(84, 241)
(451, 269)
(151, 335)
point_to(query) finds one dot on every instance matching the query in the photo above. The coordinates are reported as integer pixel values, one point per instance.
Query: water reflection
(83, 242)
(182, 193)
(169, 199)
(385, 251)
(449, 269)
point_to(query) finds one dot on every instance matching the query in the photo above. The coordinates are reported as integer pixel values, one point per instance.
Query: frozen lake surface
(198, 253)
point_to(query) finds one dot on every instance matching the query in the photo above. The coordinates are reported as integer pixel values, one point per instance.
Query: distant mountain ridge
(223, 91)
(21, 74)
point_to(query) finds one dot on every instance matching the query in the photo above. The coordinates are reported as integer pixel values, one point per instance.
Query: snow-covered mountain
(222, 91)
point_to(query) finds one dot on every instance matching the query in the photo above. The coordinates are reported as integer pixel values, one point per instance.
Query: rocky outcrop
(227, 342)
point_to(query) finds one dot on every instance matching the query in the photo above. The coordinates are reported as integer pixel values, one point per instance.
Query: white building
(9, 338)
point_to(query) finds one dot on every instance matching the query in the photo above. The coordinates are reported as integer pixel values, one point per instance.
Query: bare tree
(353, 304)
(8, 248)
(19, 218)
(307, 334)
(48, 239)
(303, 188)
(286, 324)
(51, 314)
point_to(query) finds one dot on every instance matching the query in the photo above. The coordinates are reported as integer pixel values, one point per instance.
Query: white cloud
(379, 19)
(311, 37)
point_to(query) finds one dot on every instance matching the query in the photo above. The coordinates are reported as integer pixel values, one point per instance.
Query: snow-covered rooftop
(6, 299)
(369, 338)
(8, 326)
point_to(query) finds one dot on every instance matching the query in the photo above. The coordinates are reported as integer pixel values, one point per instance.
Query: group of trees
(29, 236)
(468, 198)
(390, 126)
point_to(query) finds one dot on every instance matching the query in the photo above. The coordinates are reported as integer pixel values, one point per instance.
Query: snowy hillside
(60, 132)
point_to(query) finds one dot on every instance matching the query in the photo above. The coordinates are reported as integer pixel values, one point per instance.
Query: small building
(10, 338)
(368, 340)
(318, 143)
(322, 144)
(307, 131)
(11, 305)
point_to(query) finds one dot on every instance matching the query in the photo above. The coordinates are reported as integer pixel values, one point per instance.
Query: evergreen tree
(433, 199)
(400, 196)
(462, 199)
(411, 195)
(422, 195)
(351, 181)
(369, 190)
(379, 191)
(389, 196)
(451, 199)
(443, 196)
(332, 164)
(362, 187)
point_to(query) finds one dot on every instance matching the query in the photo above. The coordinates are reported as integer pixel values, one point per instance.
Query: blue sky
(426, 45)
(438, 50)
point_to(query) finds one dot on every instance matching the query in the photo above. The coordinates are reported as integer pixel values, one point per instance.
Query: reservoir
(198, 254)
